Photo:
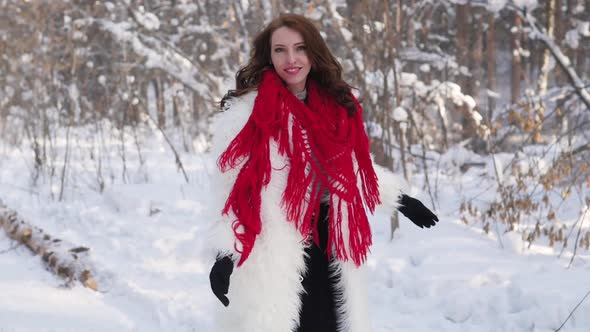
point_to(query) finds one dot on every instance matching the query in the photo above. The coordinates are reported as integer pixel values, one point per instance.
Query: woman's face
(288, 55)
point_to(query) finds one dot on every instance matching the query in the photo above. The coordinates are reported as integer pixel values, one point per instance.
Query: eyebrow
(296, 44)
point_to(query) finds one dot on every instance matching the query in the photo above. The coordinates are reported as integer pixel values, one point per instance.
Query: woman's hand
(414, 210)
(219, 278)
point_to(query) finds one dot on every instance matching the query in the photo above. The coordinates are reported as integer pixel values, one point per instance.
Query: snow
(469, 102)
(561, 59)
(477, 117)
(496, 5)
(528, 4)
(492, 94)
(346, 34)
(30, 298)
(145, 234)
(579, 8)
(400, 114)
(110, 6)
(584, 28)
(26, 58)
(379, 26)
(524, 52)
(159, 55)
(408, 78)
(572, 38)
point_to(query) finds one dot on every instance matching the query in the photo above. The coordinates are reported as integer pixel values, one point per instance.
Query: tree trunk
(462, 42)
(477, 56)
(383, 145)
(463, 59)
(516, 68)
(569, 14)
(399, 16)
(410, 29)
(276, 8)
(544, 73)
(584, 51)
(160, 103)
(197, 107)
(560, 25)
(550, 24)
(491, 63)
(176, 111)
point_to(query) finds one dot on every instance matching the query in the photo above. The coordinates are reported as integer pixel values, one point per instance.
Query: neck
(301, 95)
(295, 89)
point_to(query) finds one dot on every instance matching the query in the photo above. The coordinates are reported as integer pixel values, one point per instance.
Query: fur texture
(264, 292)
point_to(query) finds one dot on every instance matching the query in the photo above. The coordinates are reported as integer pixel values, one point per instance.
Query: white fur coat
(264, 292)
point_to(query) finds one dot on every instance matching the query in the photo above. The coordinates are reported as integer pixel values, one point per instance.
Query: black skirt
(318, 311)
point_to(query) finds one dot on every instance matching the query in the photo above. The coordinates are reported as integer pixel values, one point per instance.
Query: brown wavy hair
(325, 69)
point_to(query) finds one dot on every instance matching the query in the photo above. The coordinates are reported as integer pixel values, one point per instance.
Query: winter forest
(482, 106)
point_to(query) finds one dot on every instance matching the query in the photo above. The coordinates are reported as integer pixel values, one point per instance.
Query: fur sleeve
(224, 127)
(391, 187)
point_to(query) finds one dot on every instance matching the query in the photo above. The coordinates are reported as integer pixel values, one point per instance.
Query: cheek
(275, 58)
(308, 62)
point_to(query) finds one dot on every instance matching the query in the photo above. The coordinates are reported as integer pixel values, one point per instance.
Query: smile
(292, 71)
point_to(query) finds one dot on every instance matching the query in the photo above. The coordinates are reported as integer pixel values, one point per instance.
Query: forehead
(285, 36)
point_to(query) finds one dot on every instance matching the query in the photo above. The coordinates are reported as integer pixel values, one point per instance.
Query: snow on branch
(561, 58)
(61, 258)
(161, 55)
(413, 54)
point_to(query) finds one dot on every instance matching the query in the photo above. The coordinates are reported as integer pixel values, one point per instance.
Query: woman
(295, 180)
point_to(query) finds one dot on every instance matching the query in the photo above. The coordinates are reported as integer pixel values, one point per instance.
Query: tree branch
(561, 59)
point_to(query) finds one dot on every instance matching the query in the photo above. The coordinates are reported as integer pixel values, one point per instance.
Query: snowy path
(153, 276)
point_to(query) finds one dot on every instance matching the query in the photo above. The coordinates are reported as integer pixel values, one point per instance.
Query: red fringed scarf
(323, 140)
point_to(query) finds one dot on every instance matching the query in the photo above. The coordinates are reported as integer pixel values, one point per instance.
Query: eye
(278, 49)
(301, 48)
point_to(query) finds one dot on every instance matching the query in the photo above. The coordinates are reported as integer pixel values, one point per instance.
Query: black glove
(219, 278)
(414, 210)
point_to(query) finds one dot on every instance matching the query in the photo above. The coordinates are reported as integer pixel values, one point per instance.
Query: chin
(292, 82)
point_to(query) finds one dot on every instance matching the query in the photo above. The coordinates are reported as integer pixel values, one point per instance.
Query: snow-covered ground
(145, 235)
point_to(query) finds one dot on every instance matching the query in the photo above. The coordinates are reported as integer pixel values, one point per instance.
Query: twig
(66, 162)
(581, 149)
(571, 231)
(426, 177)
(425, 164)
(436, 179)
(572, 312)
(9, 249)
(176, 155)
(138, 149)
(122, 148)
(500, 186)
(578, 237)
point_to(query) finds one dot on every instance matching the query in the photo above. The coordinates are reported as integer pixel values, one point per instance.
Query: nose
(291, 57)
